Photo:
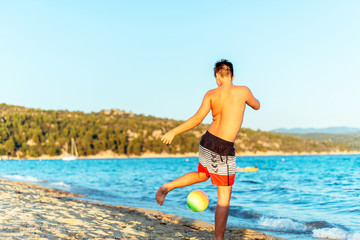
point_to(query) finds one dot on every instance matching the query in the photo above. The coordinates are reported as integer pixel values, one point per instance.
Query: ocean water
(294, 197)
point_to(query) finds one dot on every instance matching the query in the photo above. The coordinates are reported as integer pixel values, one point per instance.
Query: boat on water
(73, 155)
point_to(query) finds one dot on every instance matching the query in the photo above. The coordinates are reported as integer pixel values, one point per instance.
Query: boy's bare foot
(161, 194)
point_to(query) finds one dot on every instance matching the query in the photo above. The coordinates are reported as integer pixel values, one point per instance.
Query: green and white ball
(197, 201)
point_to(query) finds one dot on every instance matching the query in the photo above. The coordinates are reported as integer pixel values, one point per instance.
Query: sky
(300, 58)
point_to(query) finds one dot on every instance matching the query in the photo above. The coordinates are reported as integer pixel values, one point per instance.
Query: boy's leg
(183, 181)
(222, 210)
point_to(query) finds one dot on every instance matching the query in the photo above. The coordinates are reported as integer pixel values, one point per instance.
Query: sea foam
(61, 184)
(354, 236)
(281, 223)
(23, 178)
(330, 233)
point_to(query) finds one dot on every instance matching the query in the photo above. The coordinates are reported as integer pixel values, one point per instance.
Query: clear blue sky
(300, 58)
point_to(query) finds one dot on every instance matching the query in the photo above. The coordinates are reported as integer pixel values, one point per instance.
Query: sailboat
(74, 153)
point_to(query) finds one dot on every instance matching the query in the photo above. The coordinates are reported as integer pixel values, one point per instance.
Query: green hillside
(26, 132)
(352, 140)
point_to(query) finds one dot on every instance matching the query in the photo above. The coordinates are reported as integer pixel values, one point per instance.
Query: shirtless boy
(216, 150)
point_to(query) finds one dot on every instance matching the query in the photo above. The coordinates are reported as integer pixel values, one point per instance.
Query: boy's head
(224, 69)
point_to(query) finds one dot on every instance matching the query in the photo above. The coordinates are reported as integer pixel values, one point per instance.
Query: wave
(317, 225)
(61, 184)
(21, 178)
(238, 212)
(354, 236)
(285, 224)
(335, 234)
(251, 181)
(24, 178)
(319, 229)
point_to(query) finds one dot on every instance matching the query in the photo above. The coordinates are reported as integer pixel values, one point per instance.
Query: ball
(197, 201)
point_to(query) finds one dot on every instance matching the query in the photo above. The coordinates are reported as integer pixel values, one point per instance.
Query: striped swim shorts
(217, 159)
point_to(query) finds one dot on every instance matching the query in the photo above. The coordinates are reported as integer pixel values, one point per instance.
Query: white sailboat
(74, 153)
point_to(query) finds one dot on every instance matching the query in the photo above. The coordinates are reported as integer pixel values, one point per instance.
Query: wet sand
(32, 211)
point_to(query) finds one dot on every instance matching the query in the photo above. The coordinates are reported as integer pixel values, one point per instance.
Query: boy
(216, 150)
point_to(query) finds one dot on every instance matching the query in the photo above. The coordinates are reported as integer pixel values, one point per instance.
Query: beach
(111, 155)
(33, 211)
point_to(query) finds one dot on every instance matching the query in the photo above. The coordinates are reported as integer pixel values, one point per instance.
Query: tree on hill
(34, 132)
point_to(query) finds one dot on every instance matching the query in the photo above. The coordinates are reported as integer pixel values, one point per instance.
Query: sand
(111, 155)
(32, 211)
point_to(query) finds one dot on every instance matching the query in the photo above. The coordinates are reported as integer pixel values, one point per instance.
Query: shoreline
(38, 212)
(109, 155)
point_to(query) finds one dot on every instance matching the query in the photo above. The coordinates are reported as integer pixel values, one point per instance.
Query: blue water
(294, 197)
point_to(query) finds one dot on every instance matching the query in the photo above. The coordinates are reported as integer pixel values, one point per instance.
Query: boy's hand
(168, 137)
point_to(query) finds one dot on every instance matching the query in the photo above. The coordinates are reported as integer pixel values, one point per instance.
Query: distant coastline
(38, 134)
(111, 155)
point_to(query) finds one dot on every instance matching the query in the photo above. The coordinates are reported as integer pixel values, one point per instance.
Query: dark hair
(224, 68)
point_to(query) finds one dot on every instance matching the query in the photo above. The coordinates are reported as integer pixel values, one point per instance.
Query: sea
(293, 197)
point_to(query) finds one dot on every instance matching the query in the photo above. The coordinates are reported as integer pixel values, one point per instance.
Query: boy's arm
(191, 122)
(251, 100)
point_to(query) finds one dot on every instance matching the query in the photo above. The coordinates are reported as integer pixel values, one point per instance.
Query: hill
(352, 140)
(26, 132)
(329, 130)
(338, 135)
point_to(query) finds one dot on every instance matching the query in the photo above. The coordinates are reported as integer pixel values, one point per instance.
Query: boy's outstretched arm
(191, 122)
(252, 101)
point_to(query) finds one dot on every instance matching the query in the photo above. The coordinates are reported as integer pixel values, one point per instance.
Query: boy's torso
(227, 106)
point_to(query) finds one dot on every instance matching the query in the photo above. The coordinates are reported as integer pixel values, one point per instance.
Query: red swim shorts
(217, 159)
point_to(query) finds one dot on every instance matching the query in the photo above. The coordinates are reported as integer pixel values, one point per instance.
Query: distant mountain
(329, 130)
